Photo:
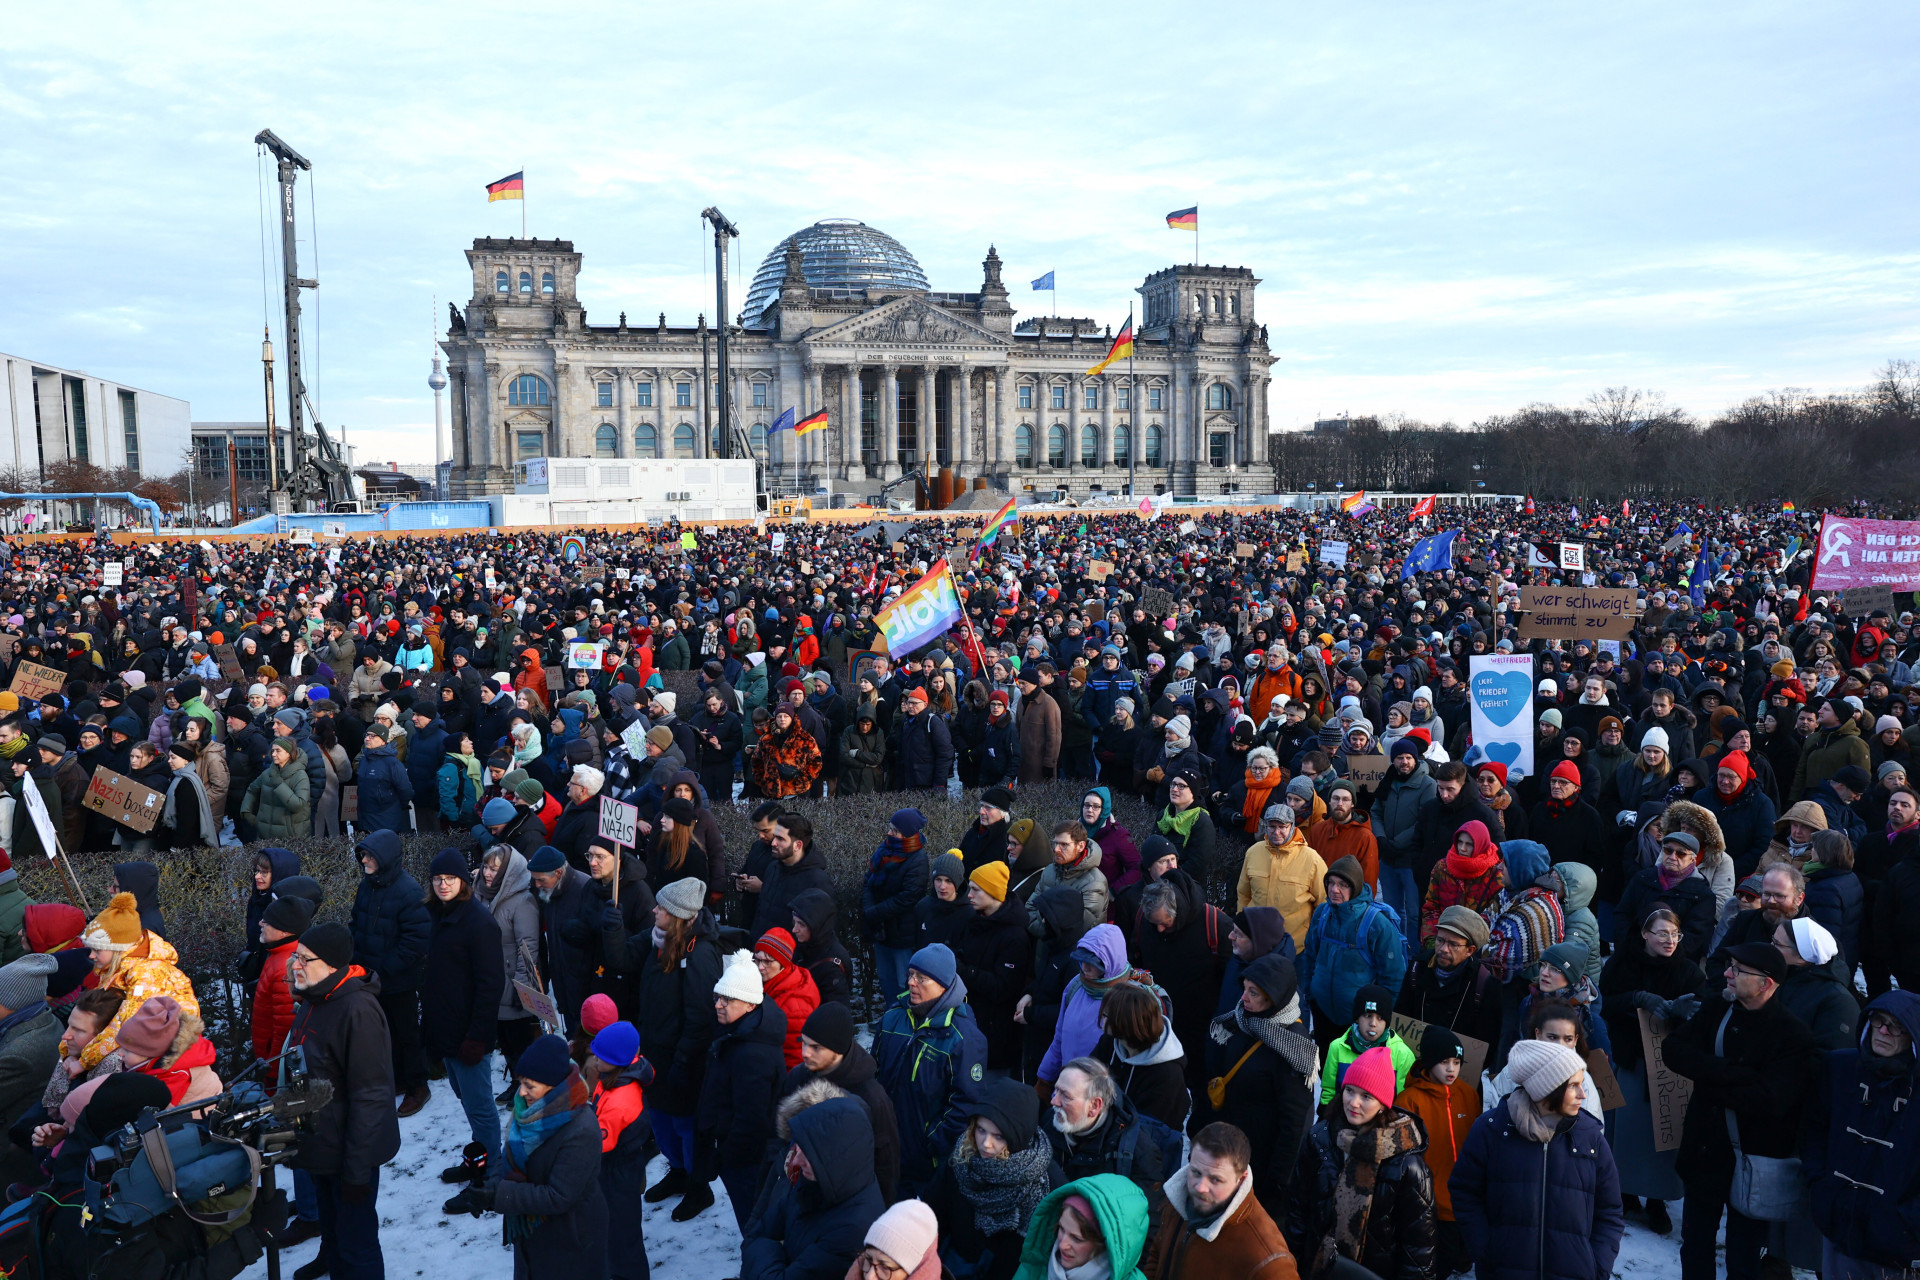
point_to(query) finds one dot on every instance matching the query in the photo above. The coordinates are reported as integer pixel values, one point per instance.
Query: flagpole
(1133, 412)
(979, 653)
(523, 202)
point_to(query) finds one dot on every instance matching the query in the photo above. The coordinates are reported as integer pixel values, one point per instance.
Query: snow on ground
(419, 1240)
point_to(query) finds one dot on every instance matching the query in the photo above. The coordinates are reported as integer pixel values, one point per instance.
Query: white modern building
(49, 414)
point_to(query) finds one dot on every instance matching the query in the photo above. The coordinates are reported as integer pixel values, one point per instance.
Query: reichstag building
(840, 317)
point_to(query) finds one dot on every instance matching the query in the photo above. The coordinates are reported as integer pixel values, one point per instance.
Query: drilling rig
(316, 479)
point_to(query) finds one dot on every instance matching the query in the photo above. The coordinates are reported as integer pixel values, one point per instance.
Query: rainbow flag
(1787, 505)
(1185, 219)
(921, 613)
(1350, 504)
(1001, 519)
(811, 424)
(1122, 348)
(511, 187)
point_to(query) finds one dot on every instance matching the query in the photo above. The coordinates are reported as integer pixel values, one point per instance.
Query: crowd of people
(1306, 981)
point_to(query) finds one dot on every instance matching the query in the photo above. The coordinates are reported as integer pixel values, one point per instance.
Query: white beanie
(668, 701)
(1655, 737)
(740, 980)
(1180, 727)
(907, 1232)
(1541, 1066)
(590, 778)
(1814, 943)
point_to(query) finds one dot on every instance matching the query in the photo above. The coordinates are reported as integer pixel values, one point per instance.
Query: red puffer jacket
(273, 1001)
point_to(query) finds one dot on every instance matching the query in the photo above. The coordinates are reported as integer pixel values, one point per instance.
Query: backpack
(1374, 908)
(1211, 917)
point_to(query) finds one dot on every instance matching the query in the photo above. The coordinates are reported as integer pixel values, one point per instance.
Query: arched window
(526, 282)
(1056, 445)
(528, 389)
(1153, 444)
(757, 438)
(606, 441)
(1122, 444)
(1089, 446)
(1219, 396)
(1023, 444)
(546, 282)
(646, 441)
(683, 438)
(500, 282)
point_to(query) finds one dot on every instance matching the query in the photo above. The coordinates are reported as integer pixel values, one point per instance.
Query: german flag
(1185, 219)
(510, 187)
(806, 426)
(1122, 348)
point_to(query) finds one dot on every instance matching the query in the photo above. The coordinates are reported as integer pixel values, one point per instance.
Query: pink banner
(1863, 553)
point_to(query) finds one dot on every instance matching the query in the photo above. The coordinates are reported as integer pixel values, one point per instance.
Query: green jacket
(13, 916)
(280, 801)
(1825, 753)
(1345, 1050)
(753, 691)
(1121, 1208)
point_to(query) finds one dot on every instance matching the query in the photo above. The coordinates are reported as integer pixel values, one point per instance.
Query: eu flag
(1702, 578)
(1432, 554)
(784, 422)
(1044, 282)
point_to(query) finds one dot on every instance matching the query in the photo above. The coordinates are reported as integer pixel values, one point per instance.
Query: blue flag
(1701, 579)
(1682, 529)
(784, 422)
(1044, 282)
(1432, 554)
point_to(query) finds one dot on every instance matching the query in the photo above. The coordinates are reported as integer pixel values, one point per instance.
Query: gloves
(471, 1052)
(356, 1192)
(480, 1199)
(610, 918)
(1650, 1002)
(1626, 817)
(1682, 1008)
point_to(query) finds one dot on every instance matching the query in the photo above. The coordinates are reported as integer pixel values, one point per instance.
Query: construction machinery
(316, 478)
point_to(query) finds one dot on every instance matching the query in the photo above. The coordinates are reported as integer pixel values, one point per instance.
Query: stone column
(1074, 398)
(961, 416)
(1002, 433)
(890, 422)
(493, 428)
(622, 446)
(929, 420)
(851, 455)
(1108, 394)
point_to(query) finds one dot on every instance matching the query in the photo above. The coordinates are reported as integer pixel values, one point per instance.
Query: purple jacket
(1078, 1030)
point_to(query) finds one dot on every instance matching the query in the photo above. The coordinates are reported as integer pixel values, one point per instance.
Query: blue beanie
(450, 862)
(498, 813)
(545, 1061)
(545, 859)
(936, 961)
(908, 822)
(618, 1044)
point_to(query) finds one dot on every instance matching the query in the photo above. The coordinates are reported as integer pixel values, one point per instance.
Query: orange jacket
(1270, 684)
(273, 1001)
(1447, 1113)
(1334, 841)
(617, 1108)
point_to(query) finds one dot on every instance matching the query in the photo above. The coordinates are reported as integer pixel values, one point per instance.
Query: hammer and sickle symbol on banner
(1835, 544)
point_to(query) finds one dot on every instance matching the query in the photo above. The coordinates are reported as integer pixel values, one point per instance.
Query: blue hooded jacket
(931, 1063)
(1861, 1155)
(1338, 959)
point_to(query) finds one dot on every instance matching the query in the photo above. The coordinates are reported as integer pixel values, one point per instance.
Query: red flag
(1626, 512)
(1529, 504)
(1424, 507)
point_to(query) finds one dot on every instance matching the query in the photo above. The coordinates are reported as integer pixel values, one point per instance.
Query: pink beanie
(597, 1014)
(149, 1032)
(1373, 1072)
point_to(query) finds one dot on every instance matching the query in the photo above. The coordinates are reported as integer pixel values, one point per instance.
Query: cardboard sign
(1860, 602)
(1245, 551)
(9, 644)
(112, 573)
(350, 803)
(34, 682)
(1296, 561)
(1186, 526)
(1367, 771)
(634, 738)
(1577, 613)
(619, 821)
(779, 541)
(806, 569)
(1099, 570)
(1410, 1029)
(554, 680)
(229, 661)
(1600, 1076)
(537, 1004)
(1668, 1093)
(1158, 603)
(127, 802)
(1573, 556)
(300, 537)
(899, 548)
(1334, 553)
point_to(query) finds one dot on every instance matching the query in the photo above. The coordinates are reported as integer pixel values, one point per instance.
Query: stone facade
(909, 378)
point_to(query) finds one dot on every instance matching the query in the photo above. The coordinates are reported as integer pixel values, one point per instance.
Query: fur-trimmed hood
(1702, 825)
(810, 1094)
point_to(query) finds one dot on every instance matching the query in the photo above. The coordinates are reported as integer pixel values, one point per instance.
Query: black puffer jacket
(1400, 1224)
(744, 1068)
(996, 962)
(464, 980)
(390, 924)
(340, 1024)
(676, 1018)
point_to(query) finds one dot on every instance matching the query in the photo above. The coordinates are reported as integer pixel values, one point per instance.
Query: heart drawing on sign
(1501, 695)
(1504, 752)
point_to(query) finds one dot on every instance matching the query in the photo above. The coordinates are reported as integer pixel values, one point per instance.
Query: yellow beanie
(118, 927)
(992, 879)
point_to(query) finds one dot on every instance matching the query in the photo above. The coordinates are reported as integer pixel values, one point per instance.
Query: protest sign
(9, 644)
(1186, 526)
(42, 820)
(1860, 602)
(583, 655)
(778, 542)
(34, 682)
(1577, 613)
(350, 803)
(1573, 556)
(634, 738)
(688, 542)
(1410, 1029)
(1296, 561)
(1600, 1076)
(229, 661)
(112, 573)
(1667, 1091)
(1245, 551)
(1863, 553)
(536, 1003)
(806, 569)
(1099, 569)
(125, 801)
(1334, 553)
(1367, 771)
(1157, 603)
(619, 822)
(1500, 709)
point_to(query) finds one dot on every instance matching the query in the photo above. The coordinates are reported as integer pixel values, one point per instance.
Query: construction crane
(316, 478)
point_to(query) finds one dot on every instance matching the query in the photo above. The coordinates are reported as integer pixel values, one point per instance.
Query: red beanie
(1493, 767)
(1568, 770)
(1373, 1072)
(597, 1014)
(777, 943)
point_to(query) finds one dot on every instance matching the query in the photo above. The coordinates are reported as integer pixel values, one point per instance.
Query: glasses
(875, 1266)
(1744, 972)
(1664, 935)
(303, 961)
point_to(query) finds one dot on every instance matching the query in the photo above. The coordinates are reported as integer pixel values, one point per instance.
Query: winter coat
(280, 802)
(863, 759)
(273, 1004)
(1120, 1207)
(614, 938)
(813, 1229)
(931, 1062)
(1291, 879)
(151, 969)
(1349, 945)
(1468, 1004)
(1188, 959)
(999, 751)
(1447, 1112)
(1127, 1142)
(676, 1021)
(1400, 1229)
(1154, 1078)
(391, 928)
(782, 884)
(1242, 1241)
(741, 1083)
(29, 1049)
(1837, 900)
(516, 911)
(1347, 1046)
(1396, 814)
(1528, 1212)
(888, 897)
(923, 754)
(858, 1075)
(937, 921)
(1440, 822)
(825, 957)
(792, 989)
(1084, 878)
(385, 790)
(1629, 971)
(995, 958)
(1578, 835)
(1040, 738)
(461, 985)
(426, 751)
(1896, 916)
(344, 1031)
(13, 917)
(561, 1197)
(1825, 753)
(1821, 996)
(1268, 1099)
(785, 765)
(1746, 823)
(1691, 899)
(1861, 1157)
(577, 827)
(1472, 882)
(1762, 1075)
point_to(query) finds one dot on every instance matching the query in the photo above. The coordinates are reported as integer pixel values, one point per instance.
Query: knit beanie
(23, 984)
(289, 915)
(908, 822)
(545, 1061)
(118, 927)
(617, 1044)
(331, 943)
(1541, 1066)
(597, 1012)
(1437, 1044)
(951, 865)
(1566, 771)
(684, 898)
(545, 860)
(936, 961)
(512, 778)
(1654, 737)
(1467, 923)
(499, 812)
(831, 1027)
(907, 1232)
(150, 1030)
(992, 879)
(1372, 1072)
(660, 736)
(450, 862)
(529, 792)
(1373, 999)
(740, 980)
(1570, 958)
(777, 943)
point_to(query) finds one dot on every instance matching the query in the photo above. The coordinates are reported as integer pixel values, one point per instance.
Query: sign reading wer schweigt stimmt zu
(1577, 613)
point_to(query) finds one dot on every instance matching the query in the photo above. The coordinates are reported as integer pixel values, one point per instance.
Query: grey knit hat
(684, 898)
(23, 984)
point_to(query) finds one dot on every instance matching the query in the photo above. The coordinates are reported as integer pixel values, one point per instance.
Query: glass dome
(836, 253)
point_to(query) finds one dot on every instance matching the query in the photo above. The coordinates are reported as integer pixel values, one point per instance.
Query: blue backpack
(1374, 908)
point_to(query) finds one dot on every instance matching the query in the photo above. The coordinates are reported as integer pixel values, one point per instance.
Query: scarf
(1003, 1193)
(169, 814)
(1255, 804)
(1528, 1119)
(1561, 808)
(532, 1125)
(1667, 882)
(1392, 1134)
(1472, 866)
(1500, 802)
(1893, 831)
(1098, 1267)
(1181, 823)
(1273, 1029)
(892, 852)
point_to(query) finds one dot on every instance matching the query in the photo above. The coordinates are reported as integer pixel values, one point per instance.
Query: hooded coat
(1861, 1156)
(1398, 1243)
(1291, 878)
(995, 957)
(931, 1062)
(1120, 1207)
(391, 928)
(858, 1076)
(1350, 945)
(142, 880)
(823, 954)
(516, 911)
(676, 1021)
(812, 1229)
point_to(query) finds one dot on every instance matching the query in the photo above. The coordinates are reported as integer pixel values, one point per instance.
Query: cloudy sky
(1455, 210)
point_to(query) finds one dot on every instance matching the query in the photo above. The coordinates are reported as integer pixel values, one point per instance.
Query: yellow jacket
(1291, 879)
(150, 969)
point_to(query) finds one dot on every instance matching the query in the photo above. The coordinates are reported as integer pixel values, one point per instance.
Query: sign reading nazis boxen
(131, 803)
(1577, 613)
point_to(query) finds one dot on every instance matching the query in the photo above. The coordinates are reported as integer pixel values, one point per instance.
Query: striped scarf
(533, 1124)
